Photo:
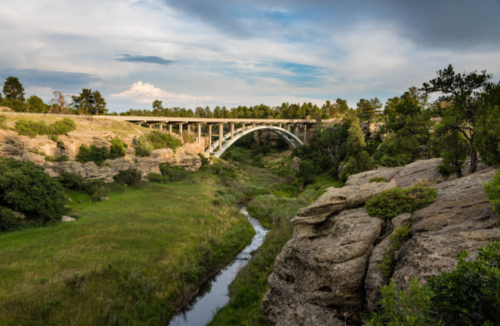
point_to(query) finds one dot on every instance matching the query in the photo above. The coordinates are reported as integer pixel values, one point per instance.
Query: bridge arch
(289, 137)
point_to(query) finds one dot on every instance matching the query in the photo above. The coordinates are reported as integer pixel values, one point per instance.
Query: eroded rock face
(294, 166)
(461, 219)
(320, 274)
(337, 199)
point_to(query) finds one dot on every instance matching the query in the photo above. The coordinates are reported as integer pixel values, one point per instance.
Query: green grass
(133, 258)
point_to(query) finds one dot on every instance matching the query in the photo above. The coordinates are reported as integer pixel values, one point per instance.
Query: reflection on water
(214, 293)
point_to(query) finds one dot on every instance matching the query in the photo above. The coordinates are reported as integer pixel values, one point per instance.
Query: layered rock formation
(37, 150)
(329, 271)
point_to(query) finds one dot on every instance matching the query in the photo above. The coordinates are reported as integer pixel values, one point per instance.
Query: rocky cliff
(40, 148)
(328, 272)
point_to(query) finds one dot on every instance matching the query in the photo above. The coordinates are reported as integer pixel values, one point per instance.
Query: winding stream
(214, 293)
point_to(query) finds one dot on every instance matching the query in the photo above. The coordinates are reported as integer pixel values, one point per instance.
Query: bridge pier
(180, 129)
(232, 130)
(305, 133)
(209, 135)
(221, 134)
(161, 126)
(199, 134)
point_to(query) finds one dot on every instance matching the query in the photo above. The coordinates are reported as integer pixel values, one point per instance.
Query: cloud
(60, 80)
(147, 59)
(146, 93)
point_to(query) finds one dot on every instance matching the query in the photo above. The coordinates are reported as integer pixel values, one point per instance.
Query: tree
(356, 139)
(36, 104)
(487, 128)
(464, 91)
(342, 106)
(85, 105)
(13, 89)
(368, 108)
(157, 107)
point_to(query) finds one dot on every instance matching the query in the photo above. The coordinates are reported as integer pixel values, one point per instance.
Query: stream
(214, 293)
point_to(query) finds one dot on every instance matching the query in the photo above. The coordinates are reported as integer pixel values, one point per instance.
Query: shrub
(92, 154)
(34, 128)
(394, 160)
(26, 188)
(130, 177)
(492, 189)
(306, 172)
(162, 139)
(470, 295)
(3, 119)
(8, 220)
(378, 179)
(396, 201)
(91, 187)
(172, 172)
(155, 177)
(398, 238)
(142, 146)
(118, 148)
(204, 161)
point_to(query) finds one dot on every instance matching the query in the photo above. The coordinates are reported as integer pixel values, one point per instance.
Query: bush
(470, 295)
(204, 161)
(130, 177)
(8, 220)
(378, 179)
(3, 119)
(91, 187)
(26, 188)
(172, 173)
(142, 146)
(118, 148)
(34, 128)
(394, 202)
(398, 238)
(92, 154)
(393, 161)
(492, 189)
(162, 139)
(155, 177)
(306, 172)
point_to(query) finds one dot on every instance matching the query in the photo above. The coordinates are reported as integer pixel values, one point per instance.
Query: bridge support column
(189, 129)
(243, 127)
(199, 134)
(209, 136)
(180, 129)
(305, 134)
(161, 126)
(232, 130)
(279, 125)
(150, 125)
(221, 135)
(253, 125)
(170, 128)
(288, 126)
(296, 130)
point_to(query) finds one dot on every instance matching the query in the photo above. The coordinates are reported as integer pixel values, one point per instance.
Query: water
(214, 293)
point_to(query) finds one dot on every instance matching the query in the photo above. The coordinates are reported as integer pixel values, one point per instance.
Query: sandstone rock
(294, 166)
(67, 219)
(322, 274)
(337, 199)
(376, 278)
(104, 198)
(461, 219)
(421, 170)
(365, 177)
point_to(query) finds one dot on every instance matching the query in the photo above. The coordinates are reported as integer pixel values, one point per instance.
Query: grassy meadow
(136, 257)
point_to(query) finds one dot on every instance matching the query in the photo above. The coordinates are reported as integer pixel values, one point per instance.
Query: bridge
(293, 131)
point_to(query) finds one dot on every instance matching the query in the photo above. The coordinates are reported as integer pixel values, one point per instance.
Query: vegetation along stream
(214, 292)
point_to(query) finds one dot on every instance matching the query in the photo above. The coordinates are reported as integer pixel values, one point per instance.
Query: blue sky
(232, 52)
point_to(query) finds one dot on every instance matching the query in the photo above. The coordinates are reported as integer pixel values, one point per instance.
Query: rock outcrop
(329, 271)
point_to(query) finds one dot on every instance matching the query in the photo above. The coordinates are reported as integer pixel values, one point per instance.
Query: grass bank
(133, 258)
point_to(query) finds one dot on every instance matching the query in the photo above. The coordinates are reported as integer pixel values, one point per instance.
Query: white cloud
(146, 93)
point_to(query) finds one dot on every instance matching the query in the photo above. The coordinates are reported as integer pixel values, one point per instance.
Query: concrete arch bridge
(293, 131)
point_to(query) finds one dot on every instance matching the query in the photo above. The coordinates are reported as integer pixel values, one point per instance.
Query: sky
(191, 53)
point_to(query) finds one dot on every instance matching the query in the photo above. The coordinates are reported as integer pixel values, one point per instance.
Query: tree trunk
(473, 160)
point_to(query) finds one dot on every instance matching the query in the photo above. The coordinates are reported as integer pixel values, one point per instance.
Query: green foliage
(8, 220)
(492, 189)
(92, 154)
(356, 164)
(470, 295)
(238, 154)
(172, 173)
(487, 128)
(35, 104)
(26, 188)
(118, 148)
(3, 119)
(398, 238)
(307, 171)
(368, 108)
(453, 149)
(13, 89)
(204, 161)
(84, 102)
(396, 201)
(356, 137)
(155, 177)
(130, 177)
(412, 308)
(92, 187)
(33, 128)
(144, 144)
(378, 179)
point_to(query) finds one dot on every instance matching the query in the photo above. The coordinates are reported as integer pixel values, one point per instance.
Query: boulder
(294, 165)
(337, 199)
(462, 218)
(322, 275)
(365, 177)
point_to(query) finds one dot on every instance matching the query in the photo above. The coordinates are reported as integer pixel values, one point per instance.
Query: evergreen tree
(36, 104)
(356, 137)
(464, 92)
(13, 89)
(487, 128)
